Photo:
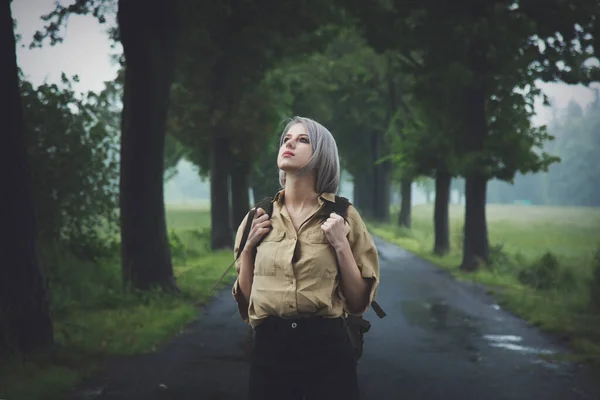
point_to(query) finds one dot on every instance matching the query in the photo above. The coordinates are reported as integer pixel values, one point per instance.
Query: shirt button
(294, 325)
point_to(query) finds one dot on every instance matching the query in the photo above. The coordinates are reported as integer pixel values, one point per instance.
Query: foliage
(57, 18)
(514, 60)
(546, 273)
(574, 181)
(223, 84)
(345, 87)
(595, 281)
(73, 150)
(96, 318)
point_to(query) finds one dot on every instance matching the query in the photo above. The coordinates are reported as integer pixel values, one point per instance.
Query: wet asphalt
(441, 339)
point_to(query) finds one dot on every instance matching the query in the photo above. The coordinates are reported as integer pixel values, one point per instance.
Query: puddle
(509, 342)
(503, 338)
(438, 316)
(452, 323)
(90, 394)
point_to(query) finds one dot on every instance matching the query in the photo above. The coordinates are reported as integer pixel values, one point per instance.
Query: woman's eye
(304, 140)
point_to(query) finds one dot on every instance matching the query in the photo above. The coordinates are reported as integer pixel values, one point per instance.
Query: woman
(295, 286)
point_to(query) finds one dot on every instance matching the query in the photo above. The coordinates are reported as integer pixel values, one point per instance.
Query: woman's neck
(300, 192)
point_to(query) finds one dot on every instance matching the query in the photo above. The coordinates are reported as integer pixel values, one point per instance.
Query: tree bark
(475, 242)
(148, 44)
(441, 220)
(221, 234)
(25, 323)
(363, 193)
(404, 216)
(381, 181)
(240, 196)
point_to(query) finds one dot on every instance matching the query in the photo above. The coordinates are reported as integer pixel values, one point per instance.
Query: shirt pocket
(317, 236)
(321, 256)
(265, 263)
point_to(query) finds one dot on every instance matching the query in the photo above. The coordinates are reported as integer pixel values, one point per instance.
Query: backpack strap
(267, 205)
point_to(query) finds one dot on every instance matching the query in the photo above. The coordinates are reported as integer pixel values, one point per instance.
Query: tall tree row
(491, 49)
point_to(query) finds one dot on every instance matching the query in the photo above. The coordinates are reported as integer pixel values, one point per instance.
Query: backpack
(356, 325)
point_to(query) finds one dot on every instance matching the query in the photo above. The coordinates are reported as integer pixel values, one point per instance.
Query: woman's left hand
(336, 230)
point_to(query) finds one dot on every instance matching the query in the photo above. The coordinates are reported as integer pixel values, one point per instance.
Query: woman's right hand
(261, 224)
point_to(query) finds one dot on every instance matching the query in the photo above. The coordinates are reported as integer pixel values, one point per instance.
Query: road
(441, 339)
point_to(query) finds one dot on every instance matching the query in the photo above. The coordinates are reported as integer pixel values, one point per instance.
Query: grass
(543, 264)
(95, 320)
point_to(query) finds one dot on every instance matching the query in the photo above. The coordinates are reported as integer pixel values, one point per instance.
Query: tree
(347, 87)
(25, 323)
(490, 63)
(72, 142)
(230, 49)
(148, 46)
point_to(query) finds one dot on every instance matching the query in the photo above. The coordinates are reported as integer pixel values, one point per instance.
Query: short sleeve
(235, 290)
(364, 251)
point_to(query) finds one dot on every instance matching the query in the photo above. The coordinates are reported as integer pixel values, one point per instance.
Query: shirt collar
(330, 197)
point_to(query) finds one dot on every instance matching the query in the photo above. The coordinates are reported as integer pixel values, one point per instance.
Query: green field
(94, 319)
(543, 263)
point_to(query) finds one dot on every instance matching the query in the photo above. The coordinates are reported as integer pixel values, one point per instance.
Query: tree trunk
(381, 181)
(428, 196)
(148, 45)
(25, 323)
(440, 215)
(221, 234)
(363, 193)
(240, 197)
(404, 217)
(475, 242)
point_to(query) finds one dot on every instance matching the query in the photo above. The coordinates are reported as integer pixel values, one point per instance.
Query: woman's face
(296, 149)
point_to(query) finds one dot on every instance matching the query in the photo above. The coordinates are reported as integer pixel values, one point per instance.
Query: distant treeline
(575, 180)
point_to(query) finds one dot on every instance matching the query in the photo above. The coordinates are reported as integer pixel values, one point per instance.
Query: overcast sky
(86, 52)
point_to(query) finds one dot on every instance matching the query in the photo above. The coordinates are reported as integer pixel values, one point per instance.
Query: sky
(86, 52)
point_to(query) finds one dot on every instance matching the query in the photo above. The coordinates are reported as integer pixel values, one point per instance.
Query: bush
(595, 281)
(546, 273)
(73, 149)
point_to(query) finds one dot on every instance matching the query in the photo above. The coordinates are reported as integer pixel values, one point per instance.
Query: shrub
(546, 273)
(595, 281)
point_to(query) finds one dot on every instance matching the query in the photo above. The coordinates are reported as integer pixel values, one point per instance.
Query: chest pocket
(321, 257)
(266, 254)
(317, 236)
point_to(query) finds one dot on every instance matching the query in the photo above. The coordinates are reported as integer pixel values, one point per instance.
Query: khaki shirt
(296, 273)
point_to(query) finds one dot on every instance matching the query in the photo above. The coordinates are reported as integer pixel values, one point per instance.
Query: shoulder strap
(341, 206)
(267, 205)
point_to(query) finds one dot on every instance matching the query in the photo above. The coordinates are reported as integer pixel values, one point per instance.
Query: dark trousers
(308, 358)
